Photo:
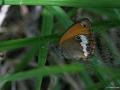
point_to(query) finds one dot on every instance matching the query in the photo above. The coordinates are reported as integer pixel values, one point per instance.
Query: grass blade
(72, 3)
(18, 43)
(43, 71)
(47, 26)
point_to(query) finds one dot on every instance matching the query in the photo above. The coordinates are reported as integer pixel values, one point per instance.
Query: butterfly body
(78, 41)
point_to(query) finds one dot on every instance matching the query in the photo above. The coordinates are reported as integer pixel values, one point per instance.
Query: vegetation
(55, 21)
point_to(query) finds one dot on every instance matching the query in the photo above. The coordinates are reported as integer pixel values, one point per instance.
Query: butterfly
(78, 42)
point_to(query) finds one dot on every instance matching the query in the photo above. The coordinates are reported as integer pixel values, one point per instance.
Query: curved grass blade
(18, 43)
(47, 26)
(71, 3)
(43, 71)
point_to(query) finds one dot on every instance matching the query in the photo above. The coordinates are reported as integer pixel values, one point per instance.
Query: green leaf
(1, 1)
(71, 3)
(47, 26)
(43, 71)
(18, 43)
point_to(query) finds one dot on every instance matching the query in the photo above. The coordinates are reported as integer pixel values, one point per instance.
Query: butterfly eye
(77, 37)
(84, 24)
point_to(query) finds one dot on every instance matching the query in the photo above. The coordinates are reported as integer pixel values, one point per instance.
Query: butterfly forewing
(78, 42)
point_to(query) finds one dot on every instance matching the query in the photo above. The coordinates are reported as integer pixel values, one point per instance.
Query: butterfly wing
(72, 49)
(74, 30)
(77, 49)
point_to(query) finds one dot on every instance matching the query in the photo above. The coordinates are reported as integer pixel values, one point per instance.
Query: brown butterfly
(78, 42)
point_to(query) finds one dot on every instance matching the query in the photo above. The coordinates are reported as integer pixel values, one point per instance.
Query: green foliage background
(105, 74)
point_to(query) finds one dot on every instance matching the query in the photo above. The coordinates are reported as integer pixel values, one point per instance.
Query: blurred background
(21, 22)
